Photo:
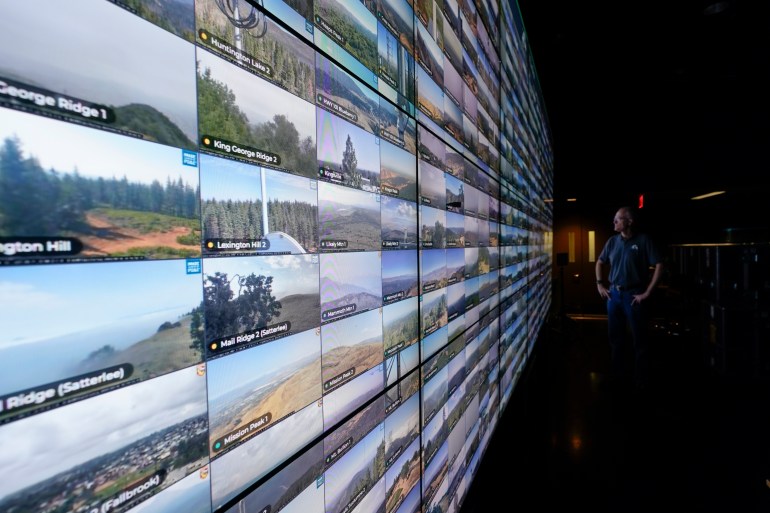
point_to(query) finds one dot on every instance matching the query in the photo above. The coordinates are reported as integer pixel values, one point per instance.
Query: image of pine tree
(350, 165)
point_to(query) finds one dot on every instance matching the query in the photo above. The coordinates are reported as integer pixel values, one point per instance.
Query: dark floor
(699, 442)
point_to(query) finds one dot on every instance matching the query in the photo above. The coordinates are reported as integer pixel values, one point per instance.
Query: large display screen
(264, 256)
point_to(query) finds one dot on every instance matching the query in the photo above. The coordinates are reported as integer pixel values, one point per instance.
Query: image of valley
(232, 205)
(398, 17)
(398, 172)
(432, 227)
(347, 154)
(401, 428)
(156, 326)
(350, 279)
(432, 270)
(348, 216)
(344, 400)
(241, 108)
(455, 300)
(176, 16)
(429, 55)
(351, 26)
(352, 431)
(430, 96)
(337, 85)
(399, 223)
(101, 450)
(270, 381)
(291, 61)
(399, 275)
(401, 325)
(289, 485)
(356, 473)
(150, 93)
(351, 346)
(242, 294)
(123, 197)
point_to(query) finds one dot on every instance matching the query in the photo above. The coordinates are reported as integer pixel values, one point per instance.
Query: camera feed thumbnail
(395, 68)
(110, 451)
(347, 154)
(433, 311)
(432, 227)
(455, 230)
(344, 400)
(192, 494)
(92, 342)
(432, 187)
(340, 93)
(266, 125)
(249, 300)
(399, 223)
(454, 194)
(398, 17)
(355, 478)
(235, 197)
(239, 32)
(73, 204)
(350, 283)
(294, 489)
(145, 93)
(252, 390)
(350, 27)
(396, 126)
(399, 275)
(430, 97)
(351, 346)
(349, 219)
(432, 270)
(402, 475)
(235, 470)
(397, 172)
(400, 326)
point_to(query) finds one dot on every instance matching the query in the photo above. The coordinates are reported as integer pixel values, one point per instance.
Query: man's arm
(601, 284)
(656, 275)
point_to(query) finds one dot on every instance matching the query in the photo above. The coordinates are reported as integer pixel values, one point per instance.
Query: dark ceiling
(666, 98)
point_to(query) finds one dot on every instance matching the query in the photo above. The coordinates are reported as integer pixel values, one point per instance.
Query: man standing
(630, 255)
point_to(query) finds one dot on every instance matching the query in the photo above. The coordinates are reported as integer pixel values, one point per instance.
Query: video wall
(261, 257)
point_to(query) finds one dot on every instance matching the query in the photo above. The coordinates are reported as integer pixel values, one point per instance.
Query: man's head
(624, 220)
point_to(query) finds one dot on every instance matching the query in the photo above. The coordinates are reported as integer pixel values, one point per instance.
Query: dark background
(662, 98)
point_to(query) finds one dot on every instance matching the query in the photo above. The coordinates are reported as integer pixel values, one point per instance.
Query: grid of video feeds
(269, 256)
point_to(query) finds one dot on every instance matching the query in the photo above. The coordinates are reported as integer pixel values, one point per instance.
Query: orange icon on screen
(201, 370)
(204, 472)
(206, 141)
(214, 346)
(209, 245)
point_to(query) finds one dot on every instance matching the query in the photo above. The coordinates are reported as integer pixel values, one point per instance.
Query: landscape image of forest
(149, 93)
(242, 294)
(339, 86)
(231, 198)
(434, 475)
(292, 61)
(429, 55)
(357, 471)
(397, 172)
(395, 125)
(351, 26)
(350, 346)
(350, 279)
(127, 197)
(400, 323)
(348, 215)
(398, 17)
(348, 151)
(157, 328)
(432, 270)
(455, 230)
(433, 311)
(274, 379)
(241, 108)
(402, 475)
(100, 450)
(176, 16)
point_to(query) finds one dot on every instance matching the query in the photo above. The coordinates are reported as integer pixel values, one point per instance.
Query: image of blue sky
(399, 263)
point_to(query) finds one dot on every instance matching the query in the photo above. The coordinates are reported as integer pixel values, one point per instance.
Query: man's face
(621, 221)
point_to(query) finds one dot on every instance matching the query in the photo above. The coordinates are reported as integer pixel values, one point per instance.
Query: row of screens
(369, 289)
(155, 96)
